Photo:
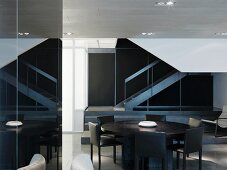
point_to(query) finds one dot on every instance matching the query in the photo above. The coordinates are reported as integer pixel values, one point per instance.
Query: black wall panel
(197, 90)
(101, 90)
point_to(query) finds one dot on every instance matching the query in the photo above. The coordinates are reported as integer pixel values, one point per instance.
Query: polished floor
(214, 156)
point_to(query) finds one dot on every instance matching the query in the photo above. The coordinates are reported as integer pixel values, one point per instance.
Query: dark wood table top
(130, 128)
(30, 127)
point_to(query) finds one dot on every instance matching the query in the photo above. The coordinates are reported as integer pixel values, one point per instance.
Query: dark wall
(8, 93)
(193, 90)
(46, 57)
(197, 90)
(101, 88)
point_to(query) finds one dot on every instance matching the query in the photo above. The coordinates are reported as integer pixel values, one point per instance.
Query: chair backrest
(105, 119)
(193, 140)
(37, 163)
(150, 144)
(94, 134)
(82, 162)
(7, 149)
(155, 117)
(224, 112)
(192, 122)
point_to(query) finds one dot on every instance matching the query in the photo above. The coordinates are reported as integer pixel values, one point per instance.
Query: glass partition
(30, 82)
(39, 80)
(8, 84)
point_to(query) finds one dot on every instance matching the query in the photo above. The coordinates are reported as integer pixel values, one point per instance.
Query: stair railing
(41, 72)
(136, 74)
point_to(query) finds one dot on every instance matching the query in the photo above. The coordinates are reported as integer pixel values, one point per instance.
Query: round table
(128, 129)
(26, 137)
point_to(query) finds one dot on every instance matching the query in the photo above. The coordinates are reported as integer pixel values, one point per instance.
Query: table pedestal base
(150, 164)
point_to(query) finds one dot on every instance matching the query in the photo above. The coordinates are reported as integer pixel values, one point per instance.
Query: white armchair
(221, 121)
(37, 163)
(82, 162)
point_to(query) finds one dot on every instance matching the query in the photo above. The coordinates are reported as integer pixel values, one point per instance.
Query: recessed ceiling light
(166, 3)
(68, 33)
(23, 33)
(147, 33)
(221, 33)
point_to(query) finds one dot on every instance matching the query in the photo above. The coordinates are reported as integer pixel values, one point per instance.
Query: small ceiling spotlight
(147, 33)
(68, 33)
(166, 3)
(23, 33)
(221, 33)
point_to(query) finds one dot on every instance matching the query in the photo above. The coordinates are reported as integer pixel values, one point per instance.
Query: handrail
(141, 71)
(151, 65)
(39, 71)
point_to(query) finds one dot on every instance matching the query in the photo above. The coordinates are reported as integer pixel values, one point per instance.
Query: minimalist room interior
(113, 85)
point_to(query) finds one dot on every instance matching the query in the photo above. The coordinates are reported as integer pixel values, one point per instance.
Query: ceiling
(40, 18)
(90, 42)
(129, 18)
(113, 18)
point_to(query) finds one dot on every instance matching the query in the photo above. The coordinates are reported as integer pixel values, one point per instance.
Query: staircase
(30, 90)
(129, 103)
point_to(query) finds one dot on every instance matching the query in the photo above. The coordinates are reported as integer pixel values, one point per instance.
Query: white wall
(74, 84)
(75, 79)
(189, 55)
(220, 90)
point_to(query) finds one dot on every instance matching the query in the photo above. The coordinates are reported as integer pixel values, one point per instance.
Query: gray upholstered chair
(82, 162)
(220, 123)
(37, 162)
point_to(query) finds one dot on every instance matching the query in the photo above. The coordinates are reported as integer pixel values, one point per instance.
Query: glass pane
(8, 83)
(39, 81)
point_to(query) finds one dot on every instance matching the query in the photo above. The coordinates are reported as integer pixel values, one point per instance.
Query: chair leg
(114, 153)
(184, 161)
(122, 156)
(142, 162)
(164, 164)
(187, 155)
(200, 160)
(91, 152)
(48, 153)
(136, 162)
(99, 155)
(178, 160)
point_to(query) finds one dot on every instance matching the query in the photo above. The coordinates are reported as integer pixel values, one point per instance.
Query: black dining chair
(102, 120)
(192, 143)
(97, 140)
(8, 150)
(193, 123)
(151, 145)
(150, 117)
(52, 138)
